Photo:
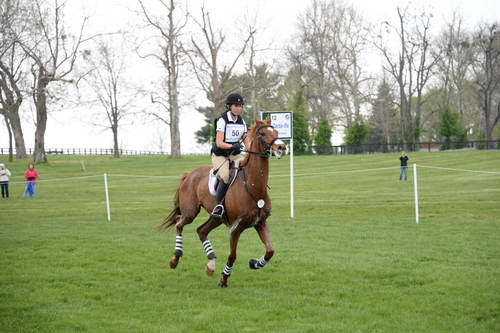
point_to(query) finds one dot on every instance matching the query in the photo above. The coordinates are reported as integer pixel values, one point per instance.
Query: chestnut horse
(247, 203)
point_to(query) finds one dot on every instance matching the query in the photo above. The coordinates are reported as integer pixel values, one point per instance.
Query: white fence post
(416, 190)
(107, 196)
(292, 204)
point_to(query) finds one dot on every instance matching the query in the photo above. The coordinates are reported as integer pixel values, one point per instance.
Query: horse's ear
(258, 122)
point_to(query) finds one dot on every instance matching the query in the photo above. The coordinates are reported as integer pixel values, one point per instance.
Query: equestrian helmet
(235, 98)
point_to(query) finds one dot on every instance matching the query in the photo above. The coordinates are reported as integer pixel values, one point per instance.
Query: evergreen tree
(355, 136)
(206, 133)
(448, 127)
(322, 140)
(383, 121)
(301, 137)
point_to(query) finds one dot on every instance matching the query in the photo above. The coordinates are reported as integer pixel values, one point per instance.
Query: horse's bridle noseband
(267, 146)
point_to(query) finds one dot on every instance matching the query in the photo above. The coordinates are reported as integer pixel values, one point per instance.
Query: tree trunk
(7, 124)
(487, 118)
(41, 120)
(116, 148)
(15, 125)
(175, 138)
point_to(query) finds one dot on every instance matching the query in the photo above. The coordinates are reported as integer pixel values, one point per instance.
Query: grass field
(352, 259)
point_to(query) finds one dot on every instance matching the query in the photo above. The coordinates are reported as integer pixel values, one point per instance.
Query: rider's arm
(219, 141)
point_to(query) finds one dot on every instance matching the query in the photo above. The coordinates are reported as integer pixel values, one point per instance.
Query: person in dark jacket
(230, 134)
(404, 166)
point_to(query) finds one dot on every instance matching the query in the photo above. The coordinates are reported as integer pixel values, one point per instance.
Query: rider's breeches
(221, 163)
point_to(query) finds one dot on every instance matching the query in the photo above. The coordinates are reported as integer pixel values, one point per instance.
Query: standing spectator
(404, 166)
(4, 180)
(31, 175)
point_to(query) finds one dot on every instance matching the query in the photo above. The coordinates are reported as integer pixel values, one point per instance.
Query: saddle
(214, 179)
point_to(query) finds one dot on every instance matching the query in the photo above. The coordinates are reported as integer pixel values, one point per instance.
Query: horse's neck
(257, 170)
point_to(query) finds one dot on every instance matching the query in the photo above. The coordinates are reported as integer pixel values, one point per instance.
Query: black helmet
(235, 98)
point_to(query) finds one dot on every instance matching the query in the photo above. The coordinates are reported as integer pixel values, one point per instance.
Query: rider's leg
(221, 192)
(222, 164)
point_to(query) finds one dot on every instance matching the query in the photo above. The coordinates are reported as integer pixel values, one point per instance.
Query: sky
(69, 127)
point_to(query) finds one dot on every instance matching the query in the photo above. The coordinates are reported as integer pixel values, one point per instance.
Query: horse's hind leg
(178, 252)
(203, 231)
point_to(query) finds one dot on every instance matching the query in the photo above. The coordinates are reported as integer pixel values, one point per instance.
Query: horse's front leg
(203, 231)
(263, 231)
(234, 238)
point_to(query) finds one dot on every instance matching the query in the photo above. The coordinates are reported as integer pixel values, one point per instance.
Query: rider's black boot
(221, 192)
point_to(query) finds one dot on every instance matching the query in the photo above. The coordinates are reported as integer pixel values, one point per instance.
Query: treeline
(428, 86)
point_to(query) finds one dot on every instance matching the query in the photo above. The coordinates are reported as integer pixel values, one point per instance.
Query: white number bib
(234, 132)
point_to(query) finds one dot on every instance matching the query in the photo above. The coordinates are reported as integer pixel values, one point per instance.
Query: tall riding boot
(221, 192)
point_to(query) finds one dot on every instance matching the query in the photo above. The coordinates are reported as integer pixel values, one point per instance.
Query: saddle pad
(212, 182)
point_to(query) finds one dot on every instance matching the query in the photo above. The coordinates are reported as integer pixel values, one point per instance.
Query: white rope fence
(463, 170)
(415, 180)
(59, 179)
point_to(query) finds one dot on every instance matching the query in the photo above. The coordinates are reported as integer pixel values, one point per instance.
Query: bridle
(267, 146)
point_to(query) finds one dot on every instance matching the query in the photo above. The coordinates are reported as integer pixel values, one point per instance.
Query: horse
(247, 203)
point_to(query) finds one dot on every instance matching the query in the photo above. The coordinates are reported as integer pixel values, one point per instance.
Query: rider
(230, 130)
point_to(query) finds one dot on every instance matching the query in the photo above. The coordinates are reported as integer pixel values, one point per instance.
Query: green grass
(352, 259)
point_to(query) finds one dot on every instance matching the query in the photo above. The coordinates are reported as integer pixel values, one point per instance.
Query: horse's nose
(283, 148)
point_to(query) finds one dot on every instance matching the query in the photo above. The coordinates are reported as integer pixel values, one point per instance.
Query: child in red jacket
(31, 175)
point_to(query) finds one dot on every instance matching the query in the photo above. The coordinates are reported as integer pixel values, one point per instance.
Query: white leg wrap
(178, 243)
(227, 270)
(261, 262)
(208, 248)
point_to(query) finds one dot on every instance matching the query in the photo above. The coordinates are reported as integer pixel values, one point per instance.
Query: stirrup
(218, 211)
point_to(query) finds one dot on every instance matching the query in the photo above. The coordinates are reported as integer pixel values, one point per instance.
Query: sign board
(282, 121)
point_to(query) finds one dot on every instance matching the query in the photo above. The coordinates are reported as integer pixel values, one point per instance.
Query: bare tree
(53, 50)
(205, 58)
(410, 68)
(170, 56)
(261, 83)
(486, 68)
(328, 53)
(312, 56)
(108, 82)
(423, 63)
(454, 67)
(12, 73)
(350, 82)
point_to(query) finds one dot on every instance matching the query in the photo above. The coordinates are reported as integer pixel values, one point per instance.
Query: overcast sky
(66, 130)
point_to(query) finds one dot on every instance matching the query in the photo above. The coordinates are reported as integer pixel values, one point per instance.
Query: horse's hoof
(253, 263)
(222, 284)
(209, 271)
(173, 262)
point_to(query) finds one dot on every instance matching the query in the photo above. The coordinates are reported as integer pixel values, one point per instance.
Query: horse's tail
(171, 219)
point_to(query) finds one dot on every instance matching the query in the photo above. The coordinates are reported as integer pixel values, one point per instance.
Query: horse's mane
(252, 132)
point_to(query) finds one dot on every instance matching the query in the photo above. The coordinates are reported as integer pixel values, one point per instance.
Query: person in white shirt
(4, 180)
